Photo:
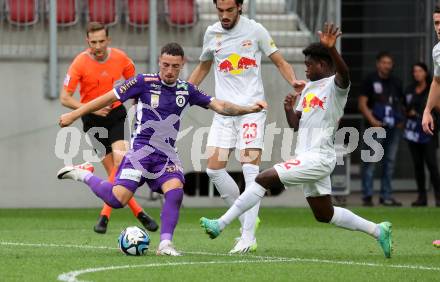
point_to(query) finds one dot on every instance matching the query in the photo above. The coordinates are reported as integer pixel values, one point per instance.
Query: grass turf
(41, 244)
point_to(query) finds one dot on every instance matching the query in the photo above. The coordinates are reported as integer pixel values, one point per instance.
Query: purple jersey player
(161, 99)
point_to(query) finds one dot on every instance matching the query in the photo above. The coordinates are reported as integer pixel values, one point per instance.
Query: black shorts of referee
(113, 123)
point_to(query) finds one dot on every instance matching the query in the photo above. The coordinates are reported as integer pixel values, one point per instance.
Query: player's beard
(169, 81)
(233, 22)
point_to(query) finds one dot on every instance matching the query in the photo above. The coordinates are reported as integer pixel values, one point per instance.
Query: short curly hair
(316, 51)
(173, 49)
(237, 2)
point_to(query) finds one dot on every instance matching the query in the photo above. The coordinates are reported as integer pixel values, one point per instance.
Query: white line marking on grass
(72, 276)
(257, 258)
(44, 245)
(313, 260)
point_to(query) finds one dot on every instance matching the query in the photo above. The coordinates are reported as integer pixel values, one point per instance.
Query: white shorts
(310, 172)
(239, 132)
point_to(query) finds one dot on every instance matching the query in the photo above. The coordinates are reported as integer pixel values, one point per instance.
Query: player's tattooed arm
(67, 100)
(292, 116)
(230, 109)
(90, 107)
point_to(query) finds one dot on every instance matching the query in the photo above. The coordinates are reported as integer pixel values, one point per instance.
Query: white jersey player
(235, 45)
(316, 117)
(434, 92)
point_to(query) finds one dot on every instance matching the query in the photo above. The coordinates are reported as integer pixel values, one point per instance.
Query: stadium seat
(22, 12)
(181, 13)
(67, 12)
(103, 11)
(138, 12)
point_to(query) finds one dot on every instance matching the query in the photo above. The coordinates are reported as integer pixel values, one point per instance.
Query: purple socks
(104, 190)
(170, 210)
(170, 213)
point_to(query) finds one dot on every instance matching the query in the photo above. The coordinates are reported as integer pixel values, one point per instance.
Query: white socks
(229, 191)
(225, 185)
(250, 172)
(348, 220)
(253, 194)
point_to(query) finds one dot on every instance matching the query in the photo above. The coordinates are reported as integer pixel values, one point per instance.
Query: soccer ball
(134, 241)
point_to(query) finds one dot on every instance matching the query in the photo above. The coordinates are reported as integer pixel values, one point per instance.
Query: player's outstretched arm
(230, 109)
(90, 107)
(328, 38)
(67, 100)
(433, 100)
(287, 71)
(200, 72)
(292, 116)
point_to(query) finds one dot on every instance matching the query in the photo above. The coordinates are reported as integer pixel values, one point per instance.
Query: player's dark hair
(384, 54)
(425, 68)
(237, 2)
(173, 49)
(317, 52)
(437, 9)
(95, 26)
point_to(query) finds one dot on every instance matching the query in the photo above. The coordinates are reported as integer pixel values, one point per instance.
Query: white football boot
(76, 172)
(244, 246)
(166, 248)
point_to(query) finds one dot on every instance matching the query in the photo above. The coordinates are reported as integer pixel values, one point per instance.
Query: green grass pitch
(60, 245)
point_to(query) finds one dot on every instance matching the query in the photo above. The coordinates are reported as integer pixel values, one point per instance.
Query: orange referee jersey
(97, 78)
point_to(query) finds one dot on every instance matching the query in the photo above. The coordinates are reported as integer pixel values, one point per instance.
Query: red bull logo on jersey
(236, 64)
(311, 101)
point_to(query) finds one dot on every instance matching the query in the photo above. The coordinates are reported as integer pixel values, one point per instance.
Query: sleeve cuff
(116, 94)
(271, 52)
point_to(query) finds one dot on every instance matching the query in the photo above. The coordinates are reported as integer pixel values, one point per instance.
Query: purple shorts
(154, 169)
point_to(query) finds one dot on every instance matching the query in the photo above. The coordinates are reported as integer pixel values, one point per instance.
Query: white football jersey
(237, 59)
(436, 59)
(322, 105)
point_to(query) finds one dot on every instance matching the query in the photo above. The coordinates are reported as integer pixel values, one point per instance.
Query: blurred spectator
(423, 146)
(380, 103)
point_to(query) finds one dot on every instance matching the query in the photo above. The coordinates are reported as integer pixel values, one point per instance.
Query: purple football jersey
(159, 109)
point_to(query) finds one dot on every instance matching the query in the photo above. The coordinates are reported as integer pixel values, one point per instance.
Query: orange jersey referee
(98, 77)
(96, 71)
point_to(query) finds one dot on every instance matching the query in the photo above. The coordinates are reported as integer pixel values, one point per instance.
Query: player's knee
(123, 202)
(119, 197)
(117, 203)
(262, 180)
